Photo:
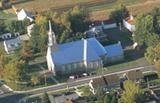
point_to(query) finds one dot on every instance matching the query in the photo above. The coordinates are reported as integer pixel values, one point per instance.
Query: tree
(153, 54)
(25, 51)
(65, 36)
(41, 20)
(157, 64)
(3, 61)
(100, 94)
(15, 26)
(2, 27)
(35, 38)
(144, 27)
(35, 79)
(156, 15)
(152, 40)
(10, 26)
(130, 93)
(45, 98)
(119, 14)
(106, 99)
(78, 19)
(15, 71)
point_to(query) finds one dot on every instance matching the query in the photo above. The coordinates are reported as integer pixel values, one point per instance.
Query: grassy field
(103, 12)
(41, 5)
(99, 9)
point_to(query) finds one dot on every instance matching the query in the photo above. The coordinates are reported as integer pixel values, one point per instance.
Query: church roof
(114, 50)
(74, 51)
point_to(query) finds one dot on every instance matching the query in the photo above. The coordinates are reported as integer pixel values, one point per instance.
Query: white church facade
(78, 56)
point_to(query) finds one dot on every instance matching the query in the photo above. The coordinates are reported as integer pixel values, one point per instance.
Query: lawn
(7, 15)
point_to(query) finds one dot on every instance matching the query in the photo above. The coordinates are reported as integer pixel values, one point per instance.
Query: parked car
(85, 74)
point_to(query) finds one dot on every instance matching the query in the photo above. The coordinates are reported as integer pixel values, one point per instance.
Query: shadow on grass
(35, 68)
(124, 36)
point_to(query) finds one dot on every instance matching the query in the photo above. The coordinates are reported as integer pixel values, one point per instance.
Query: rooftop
(74, 51)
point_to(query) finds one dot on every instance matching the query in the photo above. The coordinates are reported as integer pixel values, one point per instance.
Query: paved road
(13, 98)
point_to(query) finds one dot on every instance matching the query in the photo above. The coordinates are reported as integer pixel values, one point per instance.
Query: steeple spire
(52, 44)
(51, 36)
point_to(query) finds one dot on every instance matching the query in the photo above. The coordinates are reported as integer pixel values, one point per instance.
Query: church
(77, 56)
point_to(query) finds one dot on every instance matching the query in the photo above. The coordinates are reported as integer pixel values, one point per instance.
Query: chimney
(85, 53)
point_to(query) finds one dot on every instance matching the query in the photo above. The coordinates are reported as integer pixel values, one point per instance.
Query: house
(97, 27)
(134, 75)
(77, 56)
(106, 24)
(104, 82)
(65, 98)
(10, 45)
(23, 14)
(129, 23)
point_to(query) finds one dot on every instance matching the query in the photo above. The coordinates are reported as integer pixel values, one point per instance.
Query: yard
(7, 15)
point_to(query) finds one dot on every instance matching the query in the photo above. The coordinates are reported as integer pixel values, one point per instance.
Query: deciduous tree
(130, 92)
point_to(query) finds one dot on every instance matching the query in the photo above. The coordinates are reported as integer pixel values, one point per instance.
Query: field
(41, 5)
(102, 13)
(99, 9)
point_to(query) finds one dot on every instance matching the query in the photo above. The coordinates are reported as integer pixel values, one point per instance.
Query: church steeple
(52, 44)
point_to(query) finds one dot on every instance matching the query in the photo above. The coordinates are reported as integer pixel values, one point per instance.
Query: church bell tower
(52, 47)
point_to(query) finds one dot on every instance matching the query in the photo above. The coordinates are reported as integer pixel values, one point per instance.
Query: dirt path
(134, 9)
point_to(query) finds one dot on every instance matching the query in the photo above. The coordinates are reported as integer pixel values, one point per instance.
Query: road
(16, 96)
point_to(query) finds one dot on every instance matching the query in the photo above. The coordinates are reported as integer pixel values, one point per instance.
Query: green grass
(85, 90)
(122, 65)
(7, 15)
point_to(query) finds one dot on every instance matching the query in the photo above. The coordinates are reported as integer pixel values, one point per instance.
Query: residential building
(10, 45)
(134, 75)
(106, 24)
(65, 98)
(24, 14)
(104, 82)
(114, 80)
(129, 23)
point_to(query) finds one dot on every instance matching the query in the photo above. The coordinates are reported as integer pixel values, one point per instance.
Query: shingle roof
(73, 51)
(99, 82)
(12, 44)
(112, 79)
(134, 75)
